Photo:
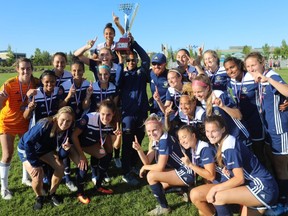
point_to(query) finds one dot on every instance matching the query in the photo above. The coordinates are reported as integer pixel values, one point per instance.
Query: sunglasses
(132, 60)
(154, 63)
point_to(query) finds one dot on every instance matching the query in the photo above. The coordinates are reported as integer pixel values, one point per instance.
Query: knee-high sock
(4, 172)
(103, 167)
(67, 170)
(159, 194)
(81, 174)
(94, 164)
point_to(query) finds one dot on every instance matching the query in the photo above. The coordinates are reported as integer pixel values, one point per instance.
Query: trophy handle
(134, 14)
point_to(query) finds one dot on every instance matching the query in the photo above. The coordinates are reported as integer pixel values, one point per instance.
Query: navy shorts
(278, 143)
(186, 175)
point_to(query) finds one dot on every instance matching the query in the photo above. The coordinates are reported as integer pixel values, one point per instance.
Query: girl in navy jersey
(273, 91)
(217, 74)
(96, 134)
(249, 185)
(244, 91)
(102, 90)
(43, 143)
(189, 67)
(168, 169)
(59, 61)
(77, 87)
(216, 102)
(105, 57)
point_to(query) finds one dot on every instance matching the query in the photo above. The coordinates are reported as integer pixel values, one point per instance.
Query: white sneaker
(71, 186)
(6, 194)
(94, 180)
(107, 179)
(27, 182)
(118, 162)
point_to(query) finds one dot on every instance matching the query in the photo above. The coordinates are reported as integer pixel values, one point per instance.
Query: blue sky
(65, 25)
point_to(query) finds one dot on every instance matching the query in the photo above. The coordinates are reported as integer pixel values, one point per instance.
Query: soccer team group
(226, 124)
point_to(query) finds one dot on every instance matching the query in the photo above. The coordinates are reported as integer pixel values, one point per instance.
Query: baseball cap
(159, 58)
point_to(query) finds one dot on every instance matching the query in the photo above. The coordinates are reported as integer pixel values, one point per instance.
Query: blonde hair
(153, 118)
(65, 109)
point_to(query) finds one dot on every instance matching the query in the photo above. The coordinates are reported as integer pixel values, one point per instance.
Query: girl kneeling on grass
(249, 185)
(46, 142)
(169, 170)
(96, 134)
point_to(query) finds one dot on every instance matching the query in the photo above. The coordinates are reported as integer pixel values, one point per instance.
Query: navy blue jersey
(92, 129)
(235, 126)
(276, 121)
(245, 94)
(162, 86)
(63, 78)
(133, 83)
(37, 141)
(167, 145)
(114, 71)
(236, 155)
(219, 79)
(76, 100)
(100, 94)
(174, 96)
(46, 105)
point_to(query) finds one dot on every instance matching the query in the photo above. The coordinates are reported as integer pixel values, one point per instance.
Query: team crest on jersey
(83, 121)
(244, 90)
(218, 78)
(138, 71)
(263, 89)
(165, 84)
(216, 112)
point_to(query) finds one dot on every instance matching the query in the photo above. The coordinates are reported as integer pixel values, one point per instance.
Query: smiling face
(109, 35)
(233, 71)
(154, 130)
(64, 121)
(187, 139)
(131, 61)
(187, 105)
(105, 56)
(49, 83)
(253, 65)
(24, 70)
(201, 93)
(77, 71)
(182, 59)
(213, 132)
(174, 80)
(103, 75)
(59, 63)
(210, 61)
(158, 68)
(106, 115)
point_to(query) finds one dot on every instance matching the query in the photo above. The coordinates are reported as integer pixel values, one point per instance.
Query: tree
(246, 50)
(284, 49)
(46, 58)
(10, 56)
(37, 57)
(266, 51)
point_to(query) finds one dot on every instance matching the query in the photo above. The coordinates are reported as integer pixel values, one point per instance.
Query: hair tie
(199, 83)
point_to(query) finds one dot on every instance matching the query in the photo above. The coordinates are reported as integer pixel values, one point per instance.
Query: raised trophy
(130, 11)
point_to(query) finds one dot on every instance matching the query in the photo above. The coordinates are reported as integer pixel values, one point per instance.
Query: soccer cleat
(83, 199)
(130, 179)
(107, 179)
(39, 203)
(104, 190)
(94, 180)
(71, 186)
(27, 182)
(55, 200)
(159, 211)
(6, 194)
(118, 162)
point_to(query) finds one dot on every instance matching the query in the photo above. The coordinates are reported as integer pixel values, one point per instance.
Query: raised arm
(80, 52)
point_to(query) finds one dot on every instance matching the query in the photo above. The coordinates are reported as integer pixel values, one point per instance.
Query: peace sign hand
(185, 160)
(32, 104)
(118, 131)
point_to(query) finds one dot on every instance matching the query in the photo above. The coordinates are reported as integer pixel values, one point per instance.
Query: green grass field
(127, 200)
